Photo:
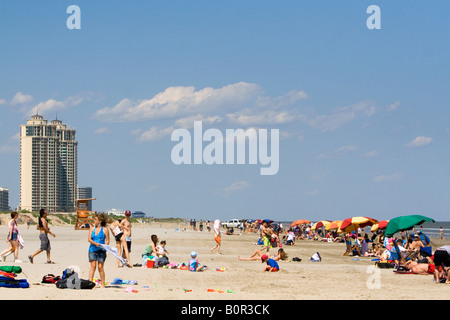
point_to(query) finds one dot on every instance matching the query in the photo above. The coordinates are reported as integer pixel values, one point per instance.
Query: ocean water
(429, 228)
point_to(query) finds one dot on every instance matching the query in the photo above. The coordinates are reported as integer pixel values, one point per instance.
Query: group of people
(15, 240)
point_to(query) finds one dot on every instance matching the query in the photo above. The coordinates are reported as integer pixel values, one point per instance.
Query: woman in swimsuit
(257, 254)
(117, 231)
(98, 234)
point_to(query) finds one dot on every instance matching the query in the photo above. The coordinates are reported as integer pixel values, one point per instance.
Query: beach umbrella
(380, 225)
(404, 223)
(268, 220)
(298, 222)
(320, 224)
(352, 224)
(334, 225)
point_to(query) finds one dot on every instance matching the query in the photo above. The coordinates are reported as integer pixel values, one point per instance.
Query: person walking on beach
(217, 236)
(126, 226)
(98, 234)
(13, 238)
(43, 236)
(266, 234)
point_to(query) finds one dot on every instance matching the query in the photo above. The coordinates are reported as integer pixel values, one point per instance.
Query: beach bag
(316, 257)
(75, 283)
(384, 265)
(70, 280)
(50, 278)
(7, 282)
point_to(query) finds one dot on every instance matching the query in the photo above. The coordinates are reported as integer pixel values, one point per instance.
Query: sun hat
(263, 257)
(193, 254)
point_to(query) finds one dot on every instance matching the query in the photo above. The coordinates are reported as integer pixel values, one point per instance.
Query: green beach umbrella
(403, 223)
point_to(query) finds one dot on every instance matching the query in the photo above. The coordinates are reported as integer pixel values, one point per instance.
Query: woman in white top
(13, 239)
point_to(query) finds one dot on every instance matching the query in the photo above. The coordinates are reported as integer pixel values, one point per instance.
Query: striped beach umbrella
(334, 225)
(320, 224)
(352, 224)
(380, 225)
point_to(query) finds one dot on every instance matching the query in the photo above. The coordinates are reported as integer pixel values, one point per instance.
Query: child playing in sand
(162, 249)
(272, 265)
(194, 265)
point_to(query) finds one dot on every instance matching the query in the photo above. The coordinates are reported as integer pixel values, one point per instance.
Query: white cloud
(155, 133)
(371, 154)
(3, 101)
(387, 178)
(419, 141)
(21, 98)
(340, 117)
(9, 149)
(188, 122)
(236, 187)
(338, 153)
(181, 101)
(52, 105)
(102, 131)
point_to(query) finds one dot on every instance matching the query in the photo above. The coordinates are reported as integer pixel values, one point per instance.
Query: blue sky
(363, 114)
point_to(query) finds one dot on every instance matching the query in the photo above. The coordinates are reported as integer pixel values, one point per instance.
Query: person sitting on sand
(193, 264)
(271, 264)
(257, 254)
(416, 245)
(150, 250)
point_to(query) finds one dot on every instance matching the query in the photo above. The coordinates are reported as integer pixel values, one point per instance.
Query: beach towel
(13, 283)
(114, 252)
(316, 257)
(12, 269)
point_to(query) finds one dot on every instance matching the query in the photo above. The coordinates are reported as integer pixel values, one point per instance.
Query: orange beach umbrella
(334, 225)
(298, 222)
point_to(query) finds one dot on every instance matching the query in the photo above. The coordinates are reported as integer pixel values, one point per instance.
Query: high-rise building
(48, 166)
(4, 199)
(85, 193)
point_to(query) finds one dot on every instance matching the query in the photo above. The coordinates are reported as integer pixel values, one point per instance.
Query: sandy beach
(335, 277)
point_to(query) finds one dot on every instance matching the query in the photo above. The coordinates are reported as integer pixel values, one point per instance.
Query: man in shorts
(442, 259)
(43, 236)
(266, 235)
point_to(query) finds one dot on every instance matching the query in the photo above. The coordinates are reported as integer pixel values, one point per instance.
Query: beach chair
(401, 257)
(352, 247)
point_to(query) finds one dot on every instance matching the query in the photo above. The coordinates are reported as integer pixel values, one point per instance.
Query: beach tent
(298, 222)
(320, 224)
(352, 224)
(380, 225)
(404, 223)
